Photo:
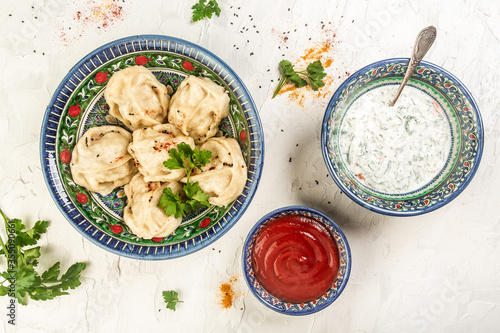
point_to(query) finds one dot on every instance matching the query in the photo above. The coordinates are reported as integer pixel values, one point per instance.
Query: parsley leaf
(315, 74)
(171, 298)
(184, 157)
(204, 9)
(196, 198)
(21, 263)
(172, 203)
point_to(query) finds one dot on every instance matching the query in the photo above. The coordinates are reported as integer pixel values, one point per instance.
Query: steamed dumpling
(142, 215)
(224, 177)
(100, 161)
(197, 108)
(150, 147)
(136, 98)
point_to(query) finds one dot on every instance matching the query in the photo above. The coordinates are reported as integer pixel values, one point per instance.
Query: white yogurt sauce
(395, 149)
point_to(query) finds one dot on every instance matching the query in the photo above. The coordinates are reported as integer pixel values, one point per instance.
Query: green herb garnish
(22, 258)
(204, 9)
(184, 157)
(315, 73)
(171, 298)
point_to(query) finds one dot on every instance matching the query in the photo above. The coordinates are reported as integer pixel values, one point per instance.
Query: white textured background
(439, 272)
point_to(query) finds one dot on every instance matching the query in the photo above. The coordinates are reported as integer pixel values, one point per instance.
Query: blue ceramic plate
(465, 126)
(78, 104)
(313, 306)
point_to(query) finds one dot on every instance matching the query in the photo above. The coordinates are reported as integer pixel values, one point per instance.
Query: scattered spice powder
(90, 13)
(104, 12)
(228, 294)
(321, 50)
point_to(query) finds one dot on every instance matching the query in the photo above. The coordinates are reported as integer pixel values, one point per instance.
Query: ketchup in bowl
(295, 258)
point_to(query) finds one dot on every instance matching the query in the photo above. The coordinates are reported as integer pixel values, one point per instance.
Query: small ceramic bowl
(460, 115)
(313, 306)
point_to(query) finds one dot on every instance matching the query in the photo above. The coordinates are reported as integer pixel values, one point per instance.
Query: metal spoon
(423, 42)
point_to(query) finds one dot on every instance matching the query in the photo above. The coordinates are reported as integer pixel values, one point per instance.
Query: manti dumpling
(142, 215)
(100, 161)
(136, 98)
(225, 176)
(197, 108)
(150, 147)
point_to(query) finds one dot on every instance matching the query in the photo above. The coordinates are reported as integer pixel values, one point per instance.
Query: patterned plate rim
(386, 211)
(300, 210)
(90, 231)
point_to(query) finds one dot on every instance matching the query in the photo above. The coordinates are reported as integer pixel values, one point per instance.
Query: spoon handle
(423, 43)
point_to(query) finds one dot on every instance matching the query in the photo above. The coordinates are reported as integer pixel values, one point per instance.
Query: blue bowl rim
(352, 196)
(143, 255)
(288, 209)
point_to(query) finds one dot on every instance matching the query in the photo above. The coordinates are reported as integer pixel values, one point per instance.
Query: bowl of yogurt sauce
(408, 159)
(296, 260)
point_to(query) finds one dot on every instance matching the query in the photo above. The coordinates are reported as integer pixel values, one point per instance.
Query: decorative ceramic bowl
(100, 218)
(313, 306)
(459, 111)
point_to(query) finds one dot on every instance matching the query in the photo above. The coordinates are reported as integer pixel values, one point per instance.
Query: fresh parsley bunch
(22, 258)
(184, 157)
(315, 74)
(204, 9)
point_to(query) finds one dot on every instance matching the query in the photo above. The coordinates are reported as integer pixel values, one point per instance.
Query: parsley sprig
(171, 298)
(204, 9)
(22, 258)
(184, 157)
(315, 73)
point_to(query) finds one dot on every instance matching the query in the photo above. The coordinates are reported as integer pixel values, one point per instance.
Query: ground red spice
(321, 50)
(100, 14)
(228, 293)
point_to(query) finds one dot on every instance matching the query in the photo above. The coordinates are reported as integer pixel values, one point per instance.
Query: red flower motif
(101, 77)
(116, 229)
(65, 156)
(205, 223)
(142, 60)
(187, 65)
(81, 197)
(74, 110)
(243, 136)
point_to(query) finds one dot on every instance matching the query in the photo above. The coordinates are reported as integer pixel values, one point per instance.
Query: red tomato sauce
(295, 258)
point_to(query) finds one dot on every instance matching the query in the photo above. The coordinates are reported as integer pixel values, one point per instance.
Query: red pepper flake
(90, 13)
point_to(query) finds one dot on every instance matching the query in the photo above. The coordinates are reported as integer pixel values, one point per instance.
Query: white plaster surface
(438, 272)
